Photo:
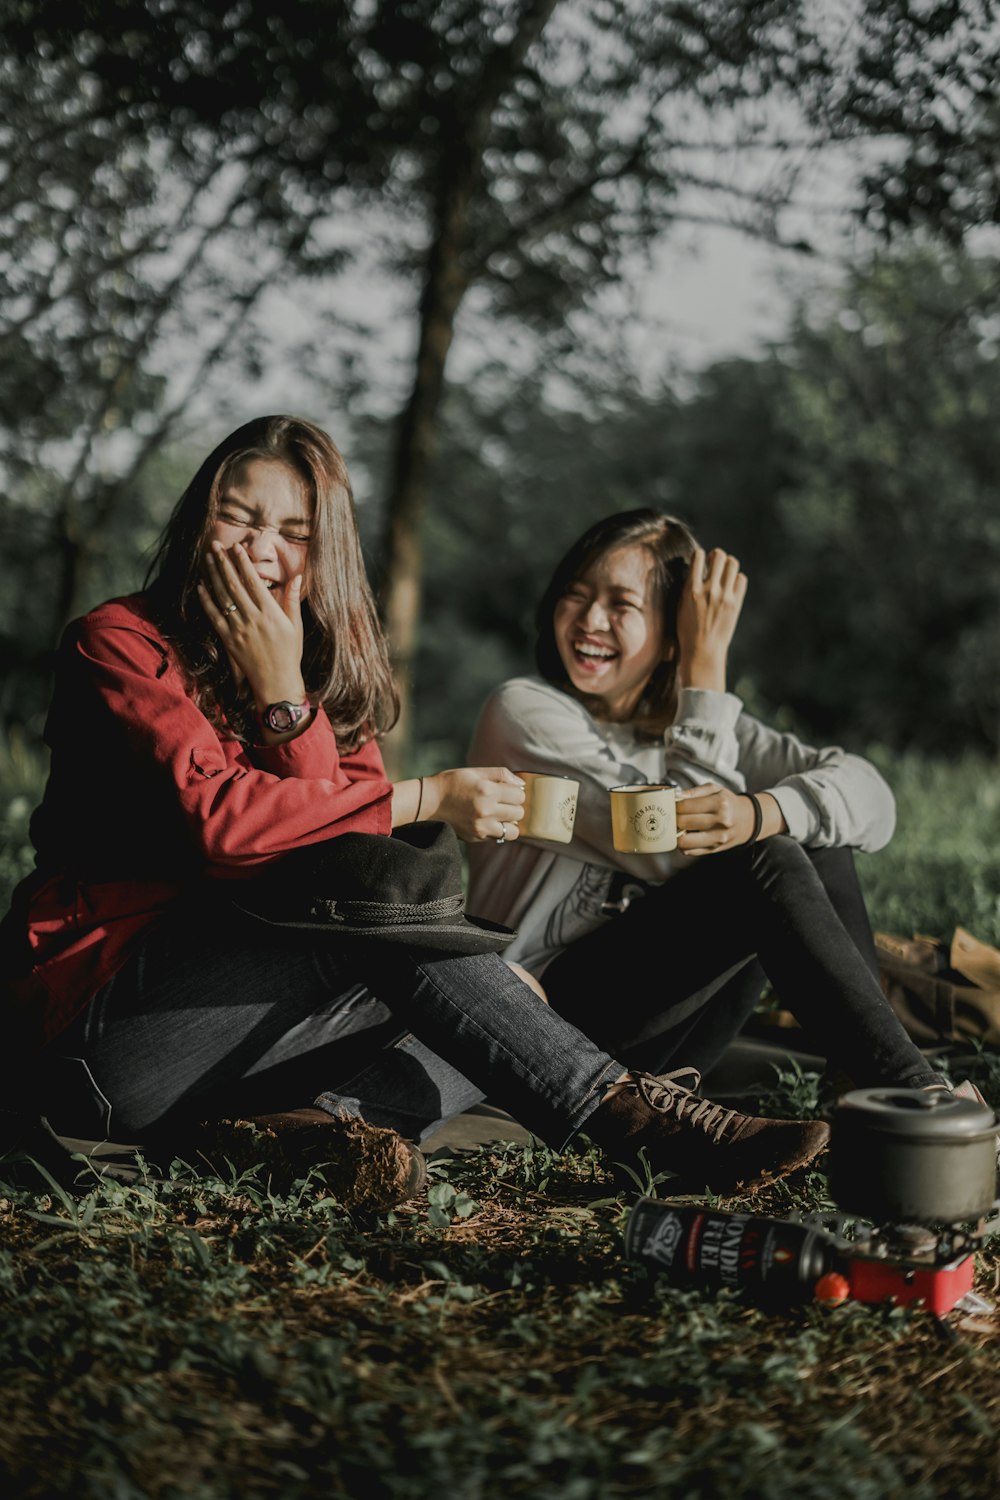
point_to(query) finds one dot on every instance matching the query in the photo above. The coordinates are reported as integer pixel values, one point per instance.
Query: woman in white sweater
(659, 957)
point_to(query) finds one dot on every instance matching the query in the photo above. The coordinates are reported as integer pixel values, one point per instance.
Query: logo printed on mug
(549, 806)
(648, 822)
(567, 812)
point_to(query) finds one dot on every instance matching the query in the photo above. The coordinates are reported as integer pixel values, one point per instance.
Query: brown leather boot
(364, 1166)
(705, 1144)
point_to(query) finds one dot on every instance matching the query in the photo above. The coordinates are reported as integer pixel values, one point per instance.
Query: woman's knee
(780, 852)
(834, 866)
(529, 979)
(835, 869)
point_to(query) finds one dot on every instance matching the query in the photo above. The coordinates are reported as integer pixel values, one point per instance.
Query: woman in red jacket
(210, 736)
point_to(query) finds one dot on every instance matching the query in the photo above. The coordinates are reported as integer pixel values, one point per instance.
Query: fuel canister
(776, 1263)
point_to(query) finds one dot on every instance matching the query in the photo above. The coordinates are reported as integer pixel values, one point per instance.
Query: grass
(191, 1339)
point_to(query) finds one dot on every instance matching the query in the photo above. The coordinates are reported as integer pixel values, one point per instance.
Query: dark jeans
(218, 1014)
(671, 981)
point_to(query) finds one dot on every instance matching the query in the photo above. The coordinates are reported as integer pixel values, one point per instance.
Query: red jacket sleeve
(237, 813)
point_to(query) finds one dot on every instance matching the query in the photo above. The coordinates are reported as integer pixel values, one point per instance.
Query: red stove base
(938, 1288)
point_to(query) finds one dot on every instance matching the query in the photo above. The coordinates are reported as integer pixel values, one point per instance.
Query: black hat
(403, 888)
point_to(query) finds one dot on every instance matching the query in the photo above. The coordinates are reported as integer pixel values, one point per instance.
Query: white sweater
(553, 894)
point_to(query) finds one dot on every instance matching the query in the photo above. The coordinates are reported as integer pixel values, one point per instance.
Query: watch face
(282, 716)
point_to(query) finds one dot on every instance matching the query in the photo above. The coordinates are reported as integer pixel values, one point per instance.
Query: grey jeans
(217, 1014)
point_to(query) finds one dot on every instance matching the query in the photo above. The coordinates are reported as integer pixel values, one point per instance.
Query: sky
(715, 291)
(726, 296)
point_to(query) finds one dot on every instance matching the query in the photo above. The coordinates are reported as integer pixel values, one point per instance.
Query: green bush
(23, 769)
(942, 867)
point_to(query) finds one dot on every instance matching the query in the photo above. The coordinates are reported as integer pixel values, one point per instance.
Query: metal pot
(901, 1156)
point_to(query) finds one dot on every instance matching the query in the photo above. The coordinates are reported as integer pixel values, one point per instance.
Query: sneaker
(364, 1166)
(28, 1142)
(705, 1144)
(967, 1090)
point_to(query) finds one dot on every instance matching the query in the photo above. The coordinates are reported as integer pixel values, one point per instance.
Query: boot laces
(664, 1093)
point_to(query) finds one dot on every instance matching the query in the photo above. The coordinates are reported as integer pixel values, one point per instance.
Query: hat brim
(470, 935)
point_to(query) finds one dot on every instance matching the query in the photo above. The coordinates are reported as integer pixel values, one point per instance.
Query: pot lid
(914, 1114)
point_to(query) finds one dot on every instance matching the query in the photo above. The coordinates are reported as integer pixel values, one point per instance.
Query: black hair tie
(758, 817)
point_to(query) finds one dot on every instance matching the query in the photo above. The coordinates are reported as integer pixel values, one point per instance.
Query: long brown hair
(345, 659)
(670, 543)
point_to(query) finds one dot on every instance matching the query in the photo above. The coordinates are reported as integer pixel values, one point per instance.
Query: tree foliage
(891, 405)
(175, 162)
(125, 284)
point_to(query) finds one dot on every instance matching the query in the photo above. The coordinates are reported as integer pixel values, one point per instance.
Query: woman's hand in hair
(712, 819)
(262, 635)
(480, 802)
(707, 614)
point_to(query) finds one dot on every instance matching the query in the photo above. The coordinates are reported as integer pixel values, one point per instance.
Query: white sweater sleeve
(702, 744)
(828, 796)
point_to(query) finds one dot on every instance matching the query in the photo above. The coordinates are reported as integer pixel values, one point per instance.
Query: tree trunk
(447, 281)
(403, 547)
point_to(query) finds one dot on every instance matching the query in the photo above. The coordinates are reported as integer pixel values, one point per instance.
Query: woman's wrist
(290, 690)
(703, 671)
(414, 800)
(768, 819)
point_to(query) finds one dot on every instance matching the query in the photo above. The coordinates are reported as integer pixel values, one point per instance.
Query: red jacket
(144, 798)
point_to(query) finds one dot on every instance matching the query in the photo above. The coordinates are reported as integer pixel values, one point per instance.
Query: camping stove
(900, 1263)
(920, 1168)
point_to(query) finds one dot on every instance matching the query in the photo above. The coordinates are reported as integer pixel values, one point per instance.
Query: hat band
(386, 913)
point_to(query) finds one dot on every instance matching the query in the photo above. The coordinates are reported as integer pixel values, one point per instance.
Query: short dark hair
(670, 543)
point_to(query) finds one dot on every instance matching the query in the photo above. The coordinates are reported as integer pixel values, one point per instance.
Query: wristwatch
(284, 715)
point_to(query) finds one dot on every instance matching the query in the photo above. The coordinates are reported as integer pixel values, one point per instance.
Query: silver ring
(503, 837)
(228, 609)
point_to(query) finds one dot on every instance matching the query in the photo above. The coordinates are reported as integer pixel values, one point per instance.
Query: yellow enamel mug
(644, 818)
(549, 806)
